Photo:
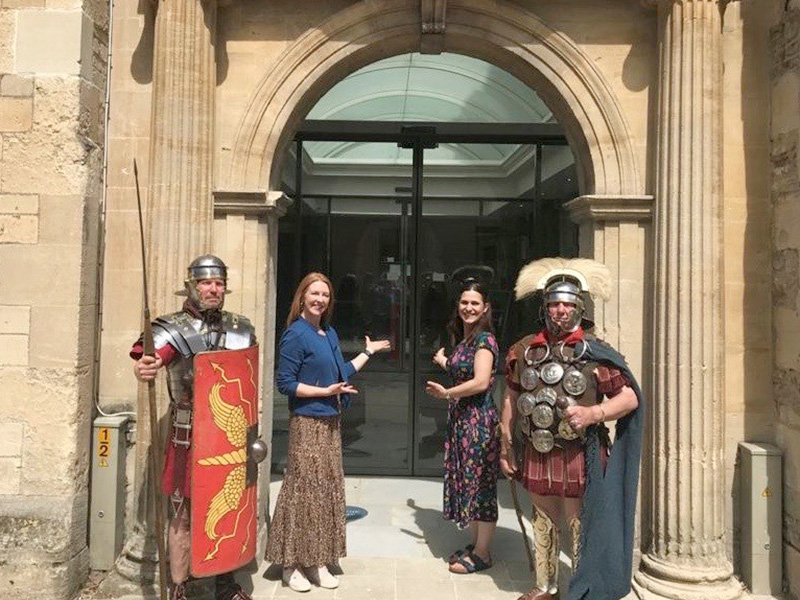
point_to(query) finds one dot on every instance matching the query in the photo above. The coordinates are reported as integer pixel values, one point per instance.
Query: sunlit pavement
(398, 551)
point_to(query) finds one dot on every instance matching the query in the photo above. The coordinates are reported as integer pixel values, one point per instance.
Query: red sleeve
(610, 381)
(167, 353)
(511, 371)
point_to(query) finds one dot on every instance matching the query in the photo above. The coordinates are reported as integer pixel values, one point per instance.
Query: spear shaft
(149, 348)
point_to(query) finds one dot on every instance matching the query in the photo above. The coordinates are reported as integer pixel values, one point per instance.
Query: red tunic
(174, 452)
(562, 471)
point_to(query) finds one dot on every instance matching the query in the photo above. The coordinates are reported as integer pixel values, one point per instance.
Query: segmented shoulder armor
(239, 331)
(182, 331)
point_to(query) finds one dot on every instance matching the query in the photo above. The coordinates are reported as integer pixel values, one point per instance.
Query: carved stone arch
(499, 32)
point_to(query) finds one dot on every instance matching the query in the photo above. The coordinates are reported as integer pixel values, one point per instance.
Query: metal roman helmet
(206, 266)
(563, 288)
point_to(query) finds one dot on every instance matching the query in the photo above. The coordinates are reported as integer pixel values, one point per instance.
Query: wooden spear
(148, 345)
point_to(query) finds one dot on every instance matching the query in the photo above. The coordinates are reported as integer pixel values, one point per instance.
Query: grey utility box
(761, 505)
(106, 517)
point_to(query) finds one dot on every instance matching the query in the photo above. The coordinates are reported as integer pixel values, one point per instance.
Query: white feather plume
(533, 276)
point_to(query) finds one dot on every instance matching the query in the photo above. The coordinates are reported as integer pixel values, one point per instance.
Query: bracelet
(368, 352)
(602, 414)
(447, 396)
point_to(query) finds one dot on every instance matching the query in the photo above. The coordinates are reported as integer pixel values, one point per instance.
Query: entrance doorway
(398, 214)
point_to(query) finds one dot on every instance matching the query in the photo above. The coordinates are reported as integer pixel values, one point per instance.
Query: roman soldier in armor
(200, 326)
(563, 385)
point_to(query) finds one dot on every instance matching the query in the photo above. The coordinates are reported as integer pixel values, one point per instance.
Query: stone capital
(610, 208)
(433, 13)
(267, 204)
(432, 23)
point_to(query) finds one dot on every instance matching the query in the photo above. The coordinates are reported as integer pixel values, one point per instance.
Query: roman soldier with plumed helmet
(201, 326)
(563, 385)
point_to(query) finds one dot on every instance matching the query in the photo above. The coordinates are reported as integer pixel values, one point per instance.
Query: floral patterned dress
(472, 449)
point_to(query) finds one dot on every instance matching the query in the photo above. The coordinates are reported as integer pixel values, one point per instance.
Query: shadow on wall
(142, 58)
(757, 376)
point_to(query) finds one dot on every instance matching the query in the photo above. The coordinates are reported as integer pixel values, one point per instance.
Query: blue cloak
(609, 502)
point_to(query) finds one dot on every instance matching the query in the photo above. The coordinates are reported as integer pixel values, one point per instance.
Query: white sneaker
(322, 577)
(295, 579)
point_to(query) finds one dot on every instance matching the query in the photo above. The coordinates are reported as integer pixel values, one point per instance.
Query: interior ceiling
(416, 87)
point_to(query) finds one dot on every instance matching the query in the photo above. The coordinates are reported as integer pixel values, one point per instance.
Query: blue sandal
(475, 564)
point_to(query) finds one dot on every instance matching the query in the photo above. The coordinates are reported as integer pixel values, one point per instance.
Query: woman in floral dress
(472, 449)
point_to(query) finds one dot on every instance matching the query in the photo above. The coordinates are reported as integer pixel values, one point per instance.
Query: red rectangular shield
(223, 497)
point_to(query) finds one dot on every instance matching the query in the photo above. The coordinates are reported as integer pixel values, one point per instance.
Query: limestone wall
(52, 92)
(784, 138)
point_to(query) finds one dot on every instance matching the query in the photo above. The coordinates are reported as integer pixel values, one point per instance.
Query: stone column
(179, 207)
(246, 238)
(684, 546)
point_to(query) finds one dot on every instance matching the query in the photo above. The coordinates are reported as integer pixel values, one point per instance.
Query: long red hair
(297, 301)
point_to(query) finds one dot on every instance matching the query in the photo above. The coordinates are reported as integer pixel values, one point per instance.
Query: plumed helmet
(565, 280)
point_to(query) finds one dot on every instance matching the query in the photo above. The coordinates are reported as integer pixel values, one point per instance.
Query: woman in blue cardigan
(308, 527)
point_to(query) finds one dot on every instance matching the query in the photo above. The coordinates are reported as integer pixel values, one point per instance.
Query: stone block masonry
(53, 58)
(785, 195)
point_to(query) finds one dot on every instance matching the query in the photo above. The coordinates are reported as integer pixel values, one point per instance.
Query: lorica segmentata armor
(190, 335)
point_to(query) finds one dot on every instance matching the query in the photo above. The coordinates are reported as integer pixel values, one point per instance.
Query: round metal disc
(566, 431)
(552, 373)
(574, 382)
(543, 440)
(547, 396)
(543, 416)
(529, 378)
(526, 403)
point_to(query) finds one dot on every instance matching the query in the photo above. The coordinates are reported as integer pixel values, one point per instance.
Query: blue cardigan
(305, 356)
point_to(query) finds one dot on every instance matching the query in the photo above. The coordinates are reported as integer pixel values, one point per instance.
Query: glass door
(485, 213)
(397, 229)
(352, 224)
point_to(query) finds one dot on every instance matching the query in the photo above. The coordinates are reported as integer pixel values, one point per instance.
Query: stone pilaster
(179, 207)
(614, 230)
(246, 238)
(684, 547)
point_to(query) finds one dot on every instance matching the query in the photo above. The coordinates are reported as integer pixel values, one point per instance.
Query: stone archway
(613, 210)
(501, 33)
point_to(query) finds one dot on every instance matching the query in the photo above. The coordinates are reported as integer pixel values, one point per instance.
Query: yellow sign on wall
(103, 446)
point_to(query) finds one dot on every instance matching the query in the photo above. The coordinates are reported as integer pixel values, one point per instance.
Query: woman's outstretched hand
(437, 390)
(377, 345)
(340, 388)
(440, 359)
